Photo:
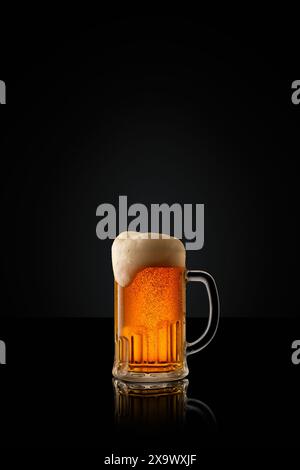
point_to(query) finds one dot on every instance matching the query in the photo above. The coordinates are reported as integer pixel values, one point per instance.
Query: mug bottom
(129, 376)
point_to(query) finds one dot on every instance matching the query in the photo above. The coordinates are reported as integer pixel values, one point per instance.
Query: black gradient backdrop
(161, 109)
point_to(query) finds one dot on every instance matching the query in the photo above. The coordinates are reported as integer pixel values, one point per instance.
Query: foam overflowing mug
(150, 314)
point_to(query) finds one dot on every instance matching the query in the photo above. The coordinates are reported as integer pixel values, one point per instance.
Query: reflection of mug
(155, 404)
(150, 279)
(147, 405)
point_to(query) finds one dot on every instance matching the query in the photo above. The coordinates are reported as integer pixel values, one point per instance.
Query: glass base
(123, 373)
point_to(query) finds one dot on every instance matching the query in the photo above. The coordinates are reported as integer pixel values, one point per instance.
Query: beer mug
(150, 314)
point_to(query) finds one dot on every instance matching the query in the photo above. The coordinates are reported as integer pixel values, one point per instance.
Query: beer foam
(134, 251)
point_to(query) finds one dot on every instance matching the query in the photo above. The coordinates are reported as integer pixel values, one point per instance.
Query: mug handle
(214, 309)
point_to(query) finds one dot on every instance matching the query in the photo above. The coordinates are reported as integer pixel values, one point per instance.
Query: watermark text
(2, 352)
(183, 221)
(296, 352)
(296, 92)
(2, 92)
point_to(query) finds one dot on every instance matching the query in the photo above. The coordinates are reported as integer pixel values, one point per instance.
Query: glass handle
(214, 310)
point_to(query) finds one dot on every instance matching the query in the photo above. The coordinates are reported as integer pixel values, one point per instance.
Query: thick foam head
(134, 251)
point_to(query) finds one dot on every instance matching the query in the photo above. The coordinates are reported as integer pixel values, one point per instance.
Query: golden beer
(150, 321)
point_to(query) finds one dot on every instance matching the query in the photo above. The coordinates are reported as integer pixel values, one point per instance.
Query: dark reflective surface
(57, 390)
(154, 405)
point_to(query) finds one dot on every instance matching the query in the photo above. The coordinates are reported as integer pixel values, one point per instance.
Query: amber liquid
(150, 321)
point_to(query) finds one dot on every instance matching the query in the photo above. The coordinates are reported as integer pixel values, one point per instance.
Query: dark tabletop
(57, 389)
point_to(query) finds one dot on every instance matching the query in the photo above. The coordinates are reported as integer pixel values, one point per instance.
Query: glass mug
(150, 313)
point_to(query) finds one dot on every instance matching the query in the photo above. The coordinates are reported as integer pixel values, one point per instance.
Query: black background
(162, 108)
